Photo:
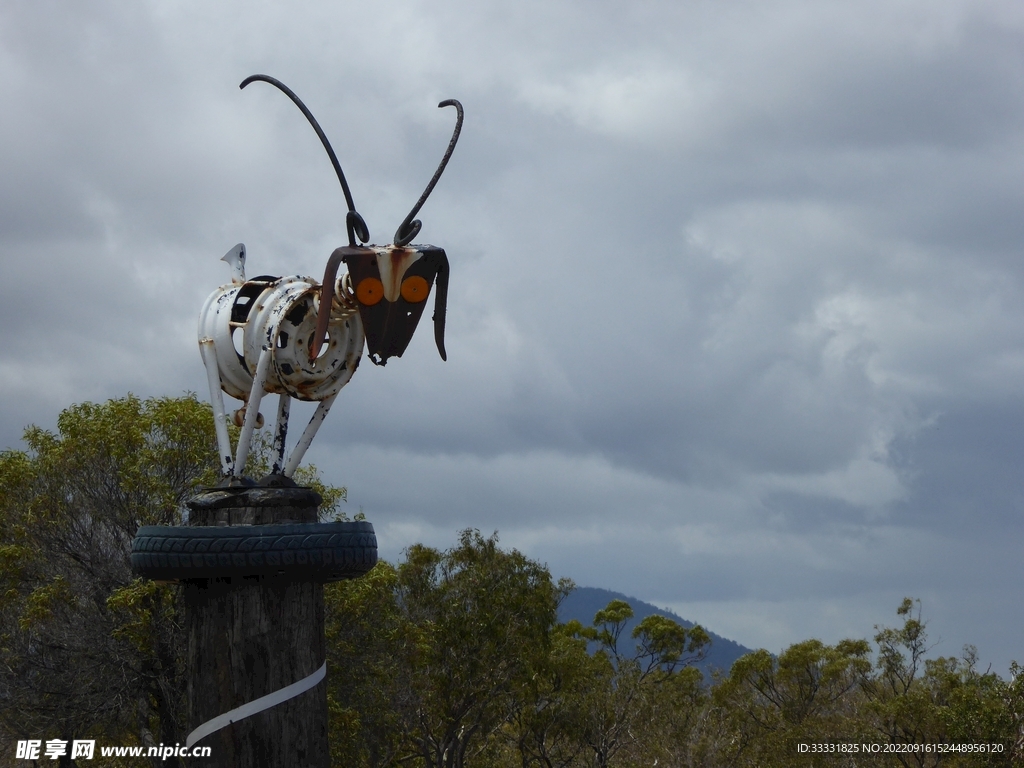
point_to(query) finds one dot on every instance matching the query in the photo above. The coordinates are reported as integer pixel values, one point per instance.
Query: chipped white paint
(392, 263)
(254, 336)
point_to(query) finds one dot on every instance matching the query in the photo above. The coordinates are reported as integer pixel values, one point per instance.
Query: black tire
(301, 551)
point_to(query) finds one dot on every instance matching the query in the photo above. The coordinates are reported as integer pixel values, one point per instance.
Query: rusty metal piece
(238, 417)
(344, 303)
(239, 320)
(390, 322)
(217, 331)
(254, 338)
(285, 318)
(327, 293)
(408, 229)
(353, 221)
(394, 322)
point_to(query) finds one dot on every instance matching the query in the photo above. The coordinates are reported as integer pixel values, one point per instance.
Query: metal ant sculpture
(297, 338)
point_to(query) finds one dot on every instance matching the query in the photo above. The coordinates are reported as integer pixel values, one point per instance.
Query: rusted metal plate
(325, 375)
(279, 313)
(391, 287)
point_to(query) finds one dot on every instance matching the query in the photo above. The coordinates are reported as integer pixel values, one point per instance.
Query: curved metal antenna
(353, 221)
(409, 228)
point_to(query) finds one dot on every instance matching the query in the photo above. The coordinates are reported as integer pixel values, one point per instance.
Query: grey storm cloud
(735, 322)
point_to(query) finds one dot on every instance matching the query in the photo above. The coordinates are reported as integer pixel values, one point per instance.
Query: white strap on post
(257, 705)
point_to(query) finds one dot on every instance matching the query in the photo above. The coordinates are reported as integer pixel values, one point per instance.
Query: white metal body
(254, 336)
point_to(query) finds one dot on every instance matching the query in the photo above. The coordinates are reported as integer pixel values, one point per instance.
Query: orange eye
(369, 291)
(415, 289)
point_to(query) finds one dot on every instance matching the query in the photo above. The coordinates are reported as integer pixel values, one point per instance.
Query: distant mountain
(584, 602)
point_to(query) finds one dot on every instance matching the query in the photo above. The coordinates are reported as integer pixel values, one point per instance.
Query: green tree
(368, 642)
(918, 701)
(808, 694)
(674, 722)
(815, 693)
(627, 689)
(482, 618)
(85, 647)
(545, 727)
(439, 650)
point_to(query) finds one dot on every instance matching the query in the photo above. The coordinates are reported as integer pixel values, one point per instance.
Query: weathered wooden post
(252, 636)
(254, 556)
(253, 562)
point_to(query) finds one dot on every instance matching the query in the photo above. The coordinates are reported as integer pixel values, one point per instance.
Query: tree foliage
(624, 692)
(466, 629)
(448, 659)
(85, 647)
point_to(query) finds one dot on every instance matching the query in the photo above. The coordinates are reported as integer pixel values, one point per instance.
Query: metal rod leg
(281, 431)
(308, 434)
(252, 410)
(220, 424)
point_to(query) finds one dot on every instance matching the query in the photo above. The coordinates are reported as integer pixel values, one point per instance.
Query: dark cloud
(736, 291)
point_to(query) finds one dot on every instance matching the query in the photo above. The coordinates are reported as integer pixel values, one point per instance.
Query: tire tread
(303, 551)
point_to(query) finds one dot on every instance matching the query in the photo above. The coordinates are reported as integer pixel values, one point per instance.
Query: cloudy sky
(736, 321)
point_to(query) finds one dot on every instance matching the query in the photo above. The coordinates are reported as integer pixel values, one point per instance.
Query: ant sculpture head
(389, 284)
